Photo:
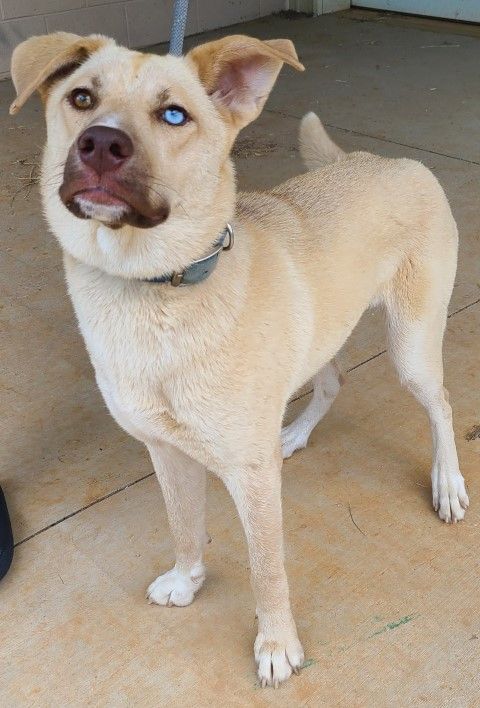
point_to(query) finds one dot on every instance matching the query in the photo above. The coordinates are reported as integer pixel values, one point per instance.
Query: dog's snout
(104, 149)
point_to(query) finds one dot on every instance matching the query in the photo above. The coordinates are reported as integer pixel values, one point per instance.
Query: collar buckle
(176, 279)
(231, 237)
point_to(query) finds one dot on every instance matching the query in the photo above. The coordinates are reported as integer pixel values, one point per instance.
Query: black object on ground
(6, 537)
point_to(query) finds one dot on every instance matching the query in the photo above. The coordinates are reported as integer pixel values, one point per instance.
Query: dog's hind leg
(326, 385)
(183, 483)
(416, 304)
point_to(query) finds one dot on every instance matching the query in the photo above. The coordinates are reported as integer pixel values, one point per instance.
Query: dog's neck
(165, 309)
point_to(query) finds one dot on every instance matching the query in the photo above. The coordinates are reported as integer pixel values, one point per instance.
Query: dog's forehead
(135, 72)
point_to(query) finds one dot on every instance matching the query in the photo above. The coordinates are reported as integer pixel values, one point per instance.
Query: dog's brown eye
(82, 99)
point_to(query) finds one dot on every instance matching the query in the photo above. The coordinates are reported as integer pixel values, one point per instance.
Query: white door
(467, 10)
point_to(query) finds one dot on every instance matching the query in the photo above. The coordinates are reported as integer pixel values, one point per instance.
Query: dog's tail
(316, 147)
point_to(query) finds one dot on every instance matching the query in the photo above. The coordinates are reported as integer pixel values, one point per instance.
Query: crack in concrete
(377, 137)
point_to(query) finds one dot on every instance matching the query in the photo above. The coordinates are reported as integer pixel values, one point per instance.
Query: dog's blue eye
(174, 115)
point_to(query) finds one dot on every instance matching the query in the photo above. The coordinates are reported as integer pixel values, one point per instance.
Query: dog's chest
(131, 382)
(128, 408)
(143, 367)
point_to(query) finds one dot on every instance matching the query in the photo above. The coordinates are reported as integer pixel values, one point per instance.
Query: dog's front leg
(183, 484)
(256, 491)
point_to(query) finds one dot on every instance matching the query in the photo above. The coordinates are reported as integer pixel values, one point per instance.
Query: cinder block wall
(135, 23)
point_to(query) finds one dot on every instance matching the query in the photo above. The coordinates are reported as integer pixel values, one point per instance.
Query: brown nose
(104, 149)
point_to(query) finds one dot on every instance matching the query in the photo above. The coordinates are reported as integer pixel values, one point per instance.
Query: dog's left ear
(239, 72)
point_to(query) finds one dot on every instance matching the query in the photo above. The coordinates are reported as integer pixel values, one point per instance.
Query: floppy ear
(239, 72)
(39, 61)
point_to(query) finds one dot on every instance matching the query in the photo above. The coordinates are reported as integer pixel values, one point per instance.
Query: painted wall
(467, 10)
(318, 7)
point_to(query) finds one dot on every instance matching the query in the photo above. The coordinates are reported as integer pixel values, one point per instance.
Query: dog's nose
(104, 149)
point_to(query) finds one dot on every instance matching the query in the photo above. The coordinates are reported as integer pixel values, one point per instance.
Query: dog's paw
(277, 658)
(176, 588)
(449, 495)
(294, 437)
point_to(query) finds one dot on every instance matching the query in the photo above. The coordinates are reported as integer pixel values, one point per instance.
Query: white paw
(176, 588)
(277, 658)
(294, 437)
(449, 496)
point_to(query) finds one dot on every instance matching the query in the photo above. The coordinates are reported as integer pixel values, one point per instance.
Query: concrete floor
(387, 607)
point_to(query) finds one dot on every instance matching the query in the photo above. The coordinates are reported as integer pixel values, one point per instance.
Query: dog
(204, 310)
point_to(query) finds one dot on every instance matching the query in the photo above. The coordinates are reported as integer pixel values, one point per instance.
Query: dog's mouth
(115, 203)
(100, 195)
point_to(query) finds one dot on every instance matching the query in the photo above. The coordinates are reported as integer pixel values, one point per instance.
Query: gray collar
(201, 269)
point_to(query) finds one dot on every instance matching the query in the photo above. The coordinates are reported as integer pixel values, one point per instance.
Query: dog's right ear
(39, 61)
(238, 73)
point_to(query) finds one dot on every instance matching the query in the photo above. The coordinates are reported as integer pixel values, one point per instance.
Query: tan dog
(137, 184)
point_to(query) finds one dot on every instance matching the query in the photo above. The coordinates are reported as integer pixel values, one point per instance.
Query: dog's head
(136, 175)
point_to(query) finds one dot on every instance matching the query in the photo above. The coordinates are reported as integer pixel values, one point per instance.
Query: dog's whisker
(179, 204)
(53, 178)
(160, 183)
